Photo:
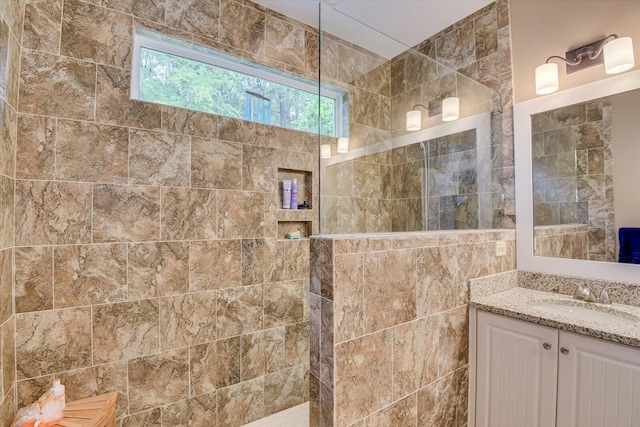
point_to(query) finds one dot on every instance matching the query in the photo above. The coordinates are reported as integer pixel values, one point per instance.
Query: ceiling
(404, 22)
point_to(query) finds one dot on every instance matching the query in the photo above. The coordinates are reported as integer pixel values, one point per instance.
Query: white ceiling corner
(406, 21)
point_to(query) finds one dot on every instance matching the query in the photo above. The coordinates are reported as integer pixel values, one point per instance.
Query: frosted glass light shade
(450, 109)
(343, 145)
(618, 55)
(414, 120)
(325, 151)
(547, 78)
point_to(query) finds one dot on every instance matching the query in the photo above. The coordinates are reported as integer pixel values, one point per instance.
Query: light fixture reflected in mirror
(343, 145)
(450, 109)
(617, 58)
(325, 151)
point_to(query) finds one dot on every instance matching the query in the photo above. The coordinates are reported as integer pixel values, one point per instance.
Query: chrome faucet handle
(584, 293)
(604, 295)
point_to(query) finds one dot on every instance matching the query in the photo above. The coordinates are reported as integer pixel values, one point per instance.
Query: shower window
(178, 73)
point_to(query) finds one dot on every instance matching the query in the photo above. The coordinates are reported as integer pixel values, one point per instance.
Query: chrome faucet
(584, 293)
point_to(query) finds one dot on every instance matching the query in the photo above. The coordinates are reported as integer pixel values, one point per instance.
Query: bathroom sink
(610, 317)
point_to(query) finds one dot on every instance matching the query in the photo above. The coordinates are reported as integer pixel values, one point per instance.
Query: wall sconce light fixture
(413, 120)
(325, 151)
(343, 145)
(617, 58)
(450, 109)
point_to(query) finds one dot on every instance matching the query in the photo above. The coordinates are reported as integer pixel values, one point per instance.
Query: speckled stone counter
(519, 303)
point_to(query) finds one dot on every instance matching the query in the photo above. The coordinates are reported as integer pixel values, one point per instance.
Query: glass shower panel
(444, 176)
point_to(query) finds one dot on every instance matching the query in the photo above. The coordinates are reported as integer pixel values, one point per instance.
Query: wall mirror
(578, 178)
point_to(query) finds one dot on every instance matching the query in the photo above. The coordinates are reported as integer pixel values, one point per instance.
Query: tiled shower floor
(298, 416)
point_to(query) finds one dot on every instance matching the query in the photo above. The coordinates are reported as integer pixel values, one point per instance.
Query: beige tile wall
(357, 194)
(389, 325)
(572, 150)
(11, 23)
(561, 241)
(479, 47)
(147, 246)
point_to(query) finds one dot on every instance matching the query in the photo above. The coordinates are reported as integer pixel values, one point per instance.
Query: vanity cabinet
(535, 376)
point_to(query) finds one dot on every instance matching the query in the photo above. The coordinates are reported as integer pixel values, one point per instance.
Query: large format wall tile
(5, 81)
(125, 330)
(262, 261)
(453, 341)
(283, 303)
(152, 10)
(239, 310)
(125, 213)
(195, 16)
(215, 265)
(90, 274)
(262, 352)
(284, 389)
(363, 376)
(215, 365)
(437, 403)
(402, 413)
(216, 164)
(151, 418)
(113, 105)
(438, 278)
(241, 403)
(349, 272)
(158, 158)
(42, 25)
(190, 122)
(8, 137)
(199, 410)
(158, 380)
(389, 289)
(33, 278)
(7, 408)
(157, 269)
(240, 214)
(188, 213)
(6, 297)
(7, 212)
(259, 168)
(296, 254)
(53, 341)
(250, 35)
(7, 351)
(112, 45)
(415, 355)
(52, 212)
(296, 343)
(284, 42)
(57, 86)
(187, 320)
(35, 154)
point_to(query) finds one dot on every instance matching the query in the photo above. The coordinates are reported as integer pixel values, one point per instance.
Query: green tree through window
(187, 83)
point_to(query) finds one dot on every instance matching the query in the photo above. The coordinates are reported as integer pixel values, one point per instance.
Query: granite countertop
(519, 303)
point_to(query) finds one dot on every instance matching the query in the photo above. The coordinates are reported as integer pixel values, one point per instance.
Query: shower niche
(296, 220)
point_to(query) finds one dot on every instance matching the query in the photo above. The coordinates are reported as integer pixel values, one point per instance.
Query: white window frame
(188, 50)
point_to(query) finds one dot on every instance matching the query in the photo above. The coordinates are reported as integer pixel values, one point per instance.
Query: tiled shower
(142, 246)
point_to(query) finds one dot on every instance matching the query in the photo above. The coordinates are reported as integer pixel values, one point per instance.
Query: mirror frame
(523, 111)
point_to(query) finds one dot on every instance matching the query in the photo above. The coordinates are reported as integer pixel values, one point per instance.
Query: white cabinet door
(599, 383)
(516, 375)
